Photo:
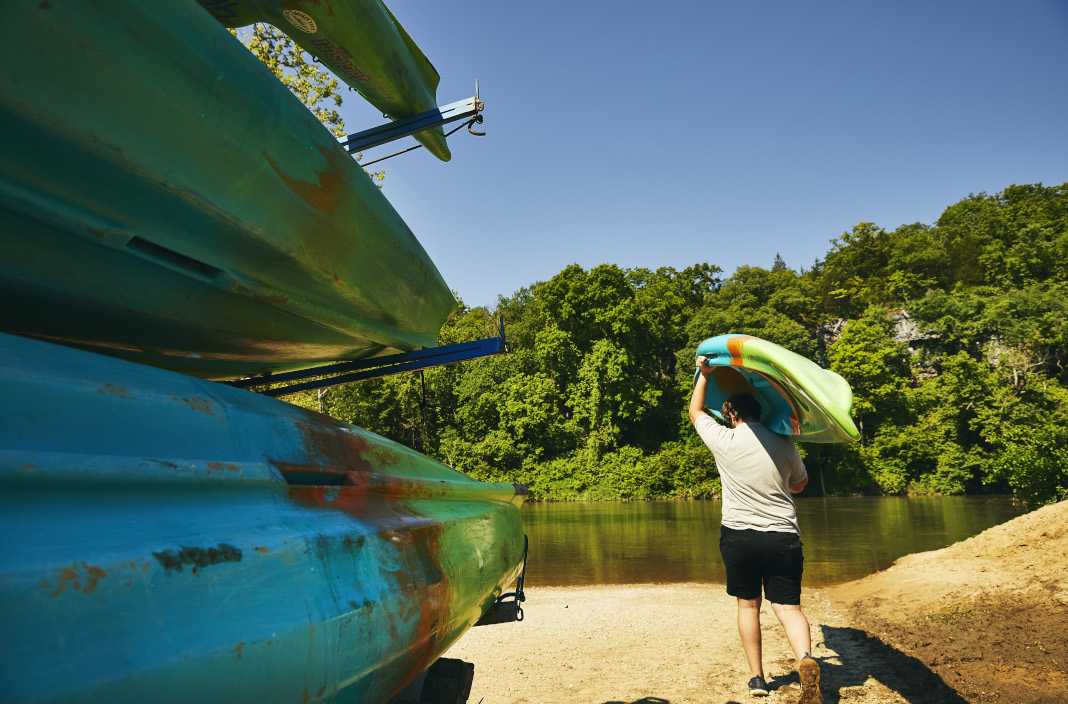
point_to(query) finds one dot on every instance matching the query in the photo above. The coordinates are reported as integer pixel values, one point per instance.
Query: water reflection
(676, 541)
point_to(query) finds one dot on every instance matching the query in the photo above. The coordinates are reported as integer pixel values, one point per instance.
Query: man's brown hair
(742, 405)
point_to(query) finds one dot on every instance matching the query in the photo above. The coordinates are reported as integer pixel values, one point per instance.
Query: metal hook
(478, 119)
(479, 106)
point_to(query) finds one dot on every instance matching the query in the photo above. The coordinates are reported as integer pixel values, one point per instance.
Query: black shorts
(756, 559)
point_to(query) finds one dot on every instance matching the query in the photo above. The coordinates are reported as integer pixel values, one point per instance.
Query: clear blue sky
(671, 133)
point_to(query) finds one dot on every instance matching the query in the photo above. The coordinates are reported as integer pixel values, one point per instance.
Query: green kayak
(165, 199)
(798, 398)
(361, 42)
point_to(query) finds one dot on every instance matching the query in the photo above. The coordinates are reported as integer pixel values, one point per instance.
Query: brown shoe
(809, 670)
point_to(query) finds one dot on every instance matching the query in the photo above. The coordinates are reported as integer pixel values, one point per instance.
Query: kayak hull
(798, 397)
(166, 538)
(168, 201)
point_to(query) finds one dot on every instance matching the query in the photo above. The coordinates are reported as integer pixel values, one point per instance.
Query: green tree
(591, 402)
(316, 88)
(867, 355)
(951, 407)
(776, 305)
(854, 273)
(1023, 330)
(1034, 462)
(876, 366)
(1011, 239)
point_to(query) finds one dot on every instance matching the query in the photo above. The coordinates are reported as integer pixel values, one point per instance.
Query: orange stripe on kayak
(734, 346)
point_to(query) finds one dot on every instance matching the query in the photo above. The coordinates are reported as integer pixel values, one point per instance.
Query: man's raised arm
(697, 399)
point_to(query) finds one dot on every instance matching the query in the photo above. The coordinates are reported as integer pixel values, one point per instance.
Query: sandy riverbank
(983, 620)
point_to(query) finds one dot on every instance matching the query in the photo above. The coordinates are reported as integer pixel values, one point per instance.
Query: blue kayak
(169, 539)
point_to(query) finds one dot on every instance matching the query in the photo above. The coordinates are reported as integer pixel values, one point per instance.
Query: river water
(845, 538)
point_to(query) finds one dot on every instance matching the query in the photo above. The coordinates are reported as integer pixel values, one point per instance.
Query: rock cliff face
(906, 330)
(826, 334)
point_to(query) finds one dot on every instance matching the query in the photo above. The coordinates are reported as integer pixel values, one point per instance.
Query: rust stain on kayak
(224, 467)
(79, 577)
(344, 471)
(381, 512)
(199, 405)
(115, 390)
(197, 558)
(344, 449)
(416, 541)
(332, 481)
(434, 613)
(330, 182)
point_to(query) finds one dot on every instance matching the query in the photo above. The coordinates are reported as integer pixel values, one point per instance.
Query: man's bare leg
(749, 630)
(795, 623)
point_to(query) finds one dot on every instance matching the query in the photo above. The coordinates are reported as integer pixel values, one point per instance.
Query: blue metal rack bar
(359, 141)
(375, 367)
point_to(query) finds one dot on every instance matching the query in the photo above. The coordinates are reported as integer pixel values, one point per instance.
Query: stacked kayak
(165, 199)
(362, 43)
(168, 539)
(797, 396)
(172, 215)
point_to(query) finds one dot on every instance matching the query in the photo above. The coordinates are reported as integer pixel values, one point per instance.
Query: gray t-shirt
(756, 467)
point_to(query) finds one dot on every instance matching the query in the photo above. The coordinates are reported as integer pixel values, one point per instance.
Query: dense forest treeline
(952, 336)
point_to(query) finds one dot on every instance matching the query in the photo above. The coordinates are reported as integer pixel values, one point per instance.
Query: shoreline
(719, 497)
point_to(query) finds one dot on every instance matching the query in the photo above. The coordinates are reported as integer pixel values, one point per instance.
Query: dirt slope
(987, 615)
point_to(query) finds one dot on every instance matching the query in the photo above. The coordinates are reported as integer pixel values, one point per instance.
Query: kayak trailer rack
(469, 110)
(348, 372)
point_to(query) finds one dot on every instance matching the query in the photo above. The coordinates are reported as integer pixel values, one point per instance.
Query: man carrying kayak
(759, 539)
